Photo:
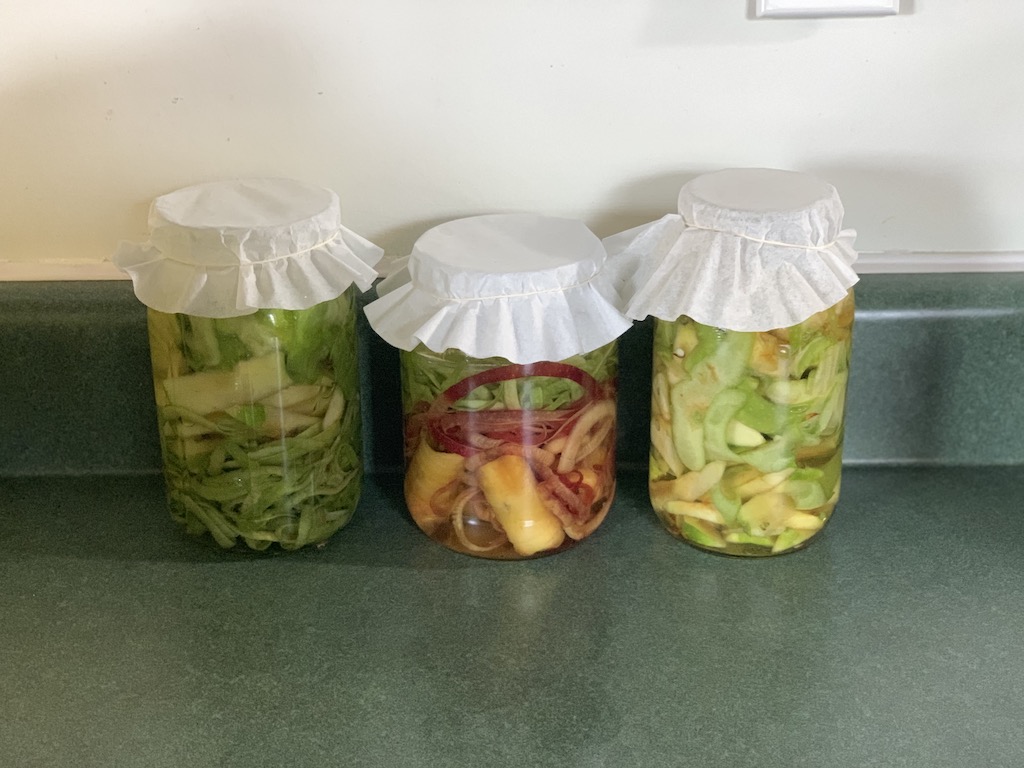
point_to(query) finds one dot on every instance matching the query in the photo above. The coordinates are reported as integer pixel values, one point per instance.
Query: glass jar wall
(259, 422)
(509, 461)
(747, 431)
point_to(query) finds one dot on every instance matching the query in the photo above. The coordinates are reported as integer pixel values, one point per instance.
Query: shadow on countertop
(124, 518)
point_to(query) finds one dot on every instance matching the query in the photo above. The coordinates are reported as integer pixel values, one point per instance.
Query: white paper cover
(519, 286)
(228, 248)
(749, 250)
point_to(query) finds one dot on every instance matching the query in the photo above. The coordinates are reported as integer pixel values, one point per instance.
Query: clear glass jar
(509, 461)
(747, 431)
(259, 422)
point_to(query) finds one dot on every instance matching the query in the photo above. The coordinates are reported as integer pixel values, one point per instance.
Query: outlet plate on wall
(820, 8)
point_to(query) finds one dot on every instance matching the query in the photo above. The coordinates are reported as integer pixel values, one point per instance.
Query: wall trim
(911, 262)
(869, 263)
(30, 271)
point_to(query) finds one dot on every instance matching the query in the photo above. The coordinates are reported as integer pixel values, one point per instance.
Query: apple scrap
(746, 431)
(489, 476)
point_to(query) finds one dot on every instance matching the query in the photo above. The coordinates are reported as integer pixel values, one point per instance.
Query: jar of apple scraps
(251, 288)
(751, 290)
(508, 363)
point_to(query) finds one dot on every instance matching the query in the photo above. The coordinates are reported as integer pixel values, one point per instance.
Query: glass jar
(747, 431)
(259, 422)
(508, 455)
(250, 286)
(509, 461)
(750, 285)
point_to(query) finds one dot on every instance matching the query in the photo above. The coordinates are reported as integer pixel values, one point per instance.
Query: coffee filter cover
(518, 286)
(229, 248)
(749, 250)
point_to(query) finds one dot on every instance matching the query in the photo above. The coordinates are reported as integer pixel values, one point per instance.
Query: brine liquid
(747, 431)
(509, 461)
(259, 423)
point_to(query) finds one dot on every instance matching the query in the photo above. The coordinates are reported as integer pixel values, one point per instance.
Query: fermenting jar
(251, 294)
(751, 290)
(508, 383)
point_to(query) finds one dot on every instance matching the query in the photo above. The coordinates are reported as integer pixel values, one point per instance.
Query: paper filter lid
(228, 248)
(750, 250)
(519, 286)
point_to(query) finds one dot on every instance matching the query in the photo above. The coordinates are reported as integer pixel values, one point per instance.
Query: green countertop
(896, 639)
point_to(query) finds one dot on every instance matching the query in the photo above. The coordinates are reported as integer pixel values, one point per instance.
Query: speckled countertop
(895, 639)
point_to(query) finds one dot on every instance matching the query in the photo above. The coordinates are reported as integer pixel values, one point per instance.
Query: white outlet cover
(820, 8)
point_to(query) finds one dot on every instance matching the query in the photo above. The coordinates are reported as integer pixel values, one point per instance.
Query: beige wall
(417, 111)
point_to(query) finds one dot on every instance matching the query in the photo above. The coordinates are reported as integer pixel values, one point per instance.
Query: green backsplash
(937, 364)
